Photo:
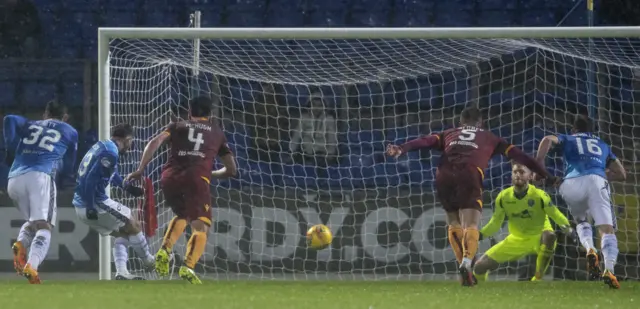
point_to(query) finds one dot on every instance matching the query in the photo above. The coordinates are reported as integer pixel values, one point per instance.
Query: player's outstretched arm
(229, 168)
(495, 223)
(12, 125)
(147, 155)
(616, 170)
(516, 154)
(554, 213)
(545, 146)
(117, 181)
(429, 141)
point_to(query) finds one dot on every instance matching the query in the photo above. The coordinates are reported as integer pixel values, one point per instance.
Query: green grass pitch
(316, 294)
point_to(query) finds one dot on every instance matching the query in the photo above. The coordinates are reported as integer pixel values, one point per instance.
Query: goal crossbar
(369, 33)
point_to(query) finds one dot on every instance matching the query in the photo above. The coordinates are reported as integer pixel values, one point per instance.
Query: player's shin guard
(195, 248)
(470, 245)
(609, 249)
(121, 255)
(585, 233)
(455, 240)
(39, 248)
(174, 231)
(543, 260)
(25, 236)
(140, 246)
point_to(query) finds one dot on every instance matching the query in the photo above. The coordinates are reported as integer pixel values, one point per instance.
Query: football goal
(308, 112)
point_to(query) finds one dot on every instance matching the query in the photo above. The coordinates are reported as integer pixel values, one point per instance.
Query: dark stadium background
(48, 50)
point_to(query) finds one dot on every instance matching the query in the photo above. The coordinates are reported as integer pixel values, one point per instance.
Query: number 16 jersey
(584, 154)
(194, 146)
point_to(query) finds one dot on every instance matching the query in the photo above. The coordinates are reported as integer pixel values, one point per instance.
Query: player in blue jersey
(38, 149)
(98, 169)
(589, 165)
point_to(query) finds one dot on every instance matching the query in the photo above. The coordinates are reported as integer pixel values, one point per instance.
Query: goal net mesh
(308, 121)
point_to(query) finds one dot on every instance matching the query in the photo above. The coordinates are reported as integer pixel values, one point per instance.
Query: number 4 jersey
(194, 146)
(42, 147)
(584, 154)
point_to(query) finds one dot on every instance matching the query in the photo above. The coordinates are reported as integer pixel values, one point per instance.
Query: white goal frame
(105, 35)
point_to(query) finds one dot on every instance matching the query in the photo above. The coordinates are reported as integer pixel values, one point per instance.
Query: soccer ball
(319, 237)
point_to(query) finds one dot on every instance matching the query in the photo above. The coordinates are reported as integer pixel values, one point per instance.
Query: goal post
(381, 85)
(104, 133)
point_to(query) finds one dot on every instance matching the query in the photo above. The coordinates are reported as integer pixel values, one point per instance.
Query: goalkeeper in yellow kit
(527, 209)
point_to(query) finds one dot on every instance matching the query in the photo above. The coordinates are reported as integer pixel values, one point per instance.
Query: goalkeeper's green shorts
(513, 248)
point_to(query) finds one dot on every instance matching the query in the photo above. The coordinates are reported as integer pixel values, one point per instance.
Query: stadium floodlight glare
(518, 74)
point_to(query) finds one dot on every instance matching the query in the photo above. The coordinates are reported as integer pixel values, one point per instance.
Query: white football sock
(139, 244)
(585, 233)
(466, 263)
(609, 245)
(39, 248)
(25, 236)
(121, 255)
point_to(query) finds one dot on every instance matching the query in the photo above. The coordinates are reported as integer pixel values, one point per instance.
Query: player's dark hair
(470, 116)
(582, 124)
(55, 109)
(122, 130)
(514, 163)
(200, 106)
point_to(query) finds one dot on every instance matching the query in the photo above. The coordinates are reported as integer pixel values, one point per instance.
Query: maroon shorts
(189, 197)
(459, 187)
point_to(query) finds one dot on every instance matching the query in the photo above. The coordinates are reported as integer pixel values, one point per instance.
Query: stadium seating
(246, 12)
(38, 94)
(71, 32)
(456, 13)
(73, 94)
(284, 13)
(8, 94)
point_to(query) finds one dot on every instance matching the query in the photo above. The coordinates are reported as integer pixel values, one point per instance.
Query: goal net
(308, 121)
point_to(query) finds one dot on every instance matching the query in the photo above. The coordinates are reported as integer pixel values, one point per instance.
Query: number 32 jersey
(42, 147)
(585, 154)
(194, 146)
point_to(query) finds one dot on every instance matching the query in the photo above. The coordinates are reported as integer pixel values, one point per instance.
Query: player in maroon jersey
(466, 152)
(193, 147)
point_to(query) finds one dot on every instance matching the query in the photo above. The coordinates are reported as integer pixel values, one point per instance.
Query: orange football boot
(610, 279)
(593, 265)
(31, 274)
(19, 257)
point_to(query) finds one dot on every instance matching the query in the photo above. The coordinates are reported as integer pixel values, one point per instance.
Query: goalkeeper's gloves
(133, 190)
(569, 232)
(566, 229)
